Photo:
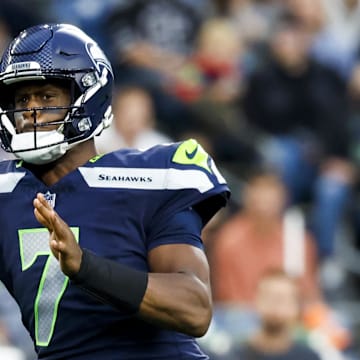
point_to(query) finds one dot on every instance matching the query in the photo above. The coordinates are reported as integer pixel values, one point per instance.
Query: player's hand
(62, 241)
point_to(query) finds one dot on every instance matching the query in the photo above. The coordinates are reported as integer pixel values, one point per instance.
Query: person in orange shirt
(258, 238)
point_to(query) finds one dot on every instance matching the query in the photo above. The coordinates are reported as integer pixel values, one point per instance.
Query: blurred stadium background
(271, 89)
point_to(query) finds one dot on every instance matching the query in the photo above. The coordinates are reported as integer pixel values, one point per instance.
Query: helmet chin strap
(45, 153)
(42, 156)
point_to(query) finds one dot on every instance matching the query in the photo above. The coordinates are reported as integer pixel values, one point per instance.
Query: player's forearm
(111, 282)
(178, 301)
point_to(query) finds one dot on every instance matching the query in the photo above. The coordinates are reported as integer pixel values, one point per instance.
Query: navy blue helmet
(55, 52)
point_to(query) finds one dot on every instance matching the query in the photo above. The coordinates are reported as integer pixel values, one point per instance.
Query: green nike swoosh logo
(191, 155)
(190, 152)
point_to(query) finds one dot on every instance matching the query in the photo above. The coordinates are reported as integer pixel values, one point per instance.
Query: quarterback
(102, 253)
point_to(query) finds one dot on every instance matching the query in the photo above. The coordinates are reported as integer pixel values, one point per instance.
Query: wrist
(111, 282)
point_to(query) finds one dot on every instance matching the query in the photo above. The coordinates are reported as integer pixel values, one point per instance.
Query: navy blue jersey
(118, 205)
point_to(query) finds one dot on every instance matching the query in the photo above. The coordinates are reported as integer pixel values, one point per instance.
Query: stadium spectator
(334, 25)
(252, 19)
(155, 35)
(151, 39)
(134, 123)
(211, 83)
(257, 238)
(278, 305)
(214, 69)
(300, 108)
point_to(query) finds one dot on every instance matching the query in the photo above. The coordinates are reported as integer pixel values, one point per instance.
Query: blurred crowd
(271, 89)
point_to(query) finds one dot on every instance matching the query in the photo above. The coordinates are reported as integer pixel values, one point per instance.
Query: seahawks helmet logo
(98, 57)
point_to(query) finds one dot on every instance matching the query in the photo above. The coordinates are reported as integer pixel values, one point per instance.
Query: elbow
(200, 316)
(202, 327)
(198, 324)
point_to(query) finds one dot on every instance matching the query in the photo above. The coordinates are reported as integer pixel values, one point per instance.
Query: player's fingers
(54, 247)
(54, 244)
(52, 219)
(49, 218)
(43, 207)
(43, 201)
(59, 246)
(41, 219)
(60, 227)
(45, 216)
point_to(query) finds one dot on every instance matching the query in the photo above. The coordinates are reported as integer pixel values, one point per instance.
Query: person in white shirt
(134, 124)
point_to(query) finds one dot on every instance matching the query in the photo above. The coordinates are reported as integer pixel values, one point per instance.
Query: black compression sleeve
(110, 282)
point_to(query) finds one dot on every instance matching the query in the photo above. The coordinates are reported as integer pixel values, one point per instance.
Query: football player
(103, 253)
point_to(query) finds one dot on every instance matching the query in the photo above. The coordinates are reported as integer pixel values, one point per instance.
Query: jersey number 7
(52, 285)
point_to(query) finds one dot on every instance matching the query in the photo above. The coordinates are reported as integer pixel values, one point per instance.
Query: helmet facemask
(37, 141)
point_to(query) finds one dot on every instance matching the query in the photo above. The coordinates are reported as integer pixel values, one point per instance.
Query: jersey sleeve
(192, 181)
(183, 227)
